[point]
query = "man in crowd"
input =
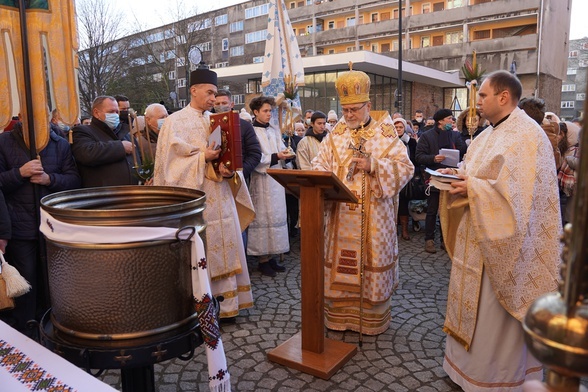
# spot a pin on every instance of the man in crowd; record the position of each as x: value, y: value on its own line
x: 307, y: 115
x: 418, y: 122
x: 185, y: 159
x: 380, y: 171
x: 428, y: 154
x: 103, y: 150
x: 123, y: 108
x: 155, y: 115
x: 53, y: 171
x: 502, y: 228
x: 249, y: 144
x: 308, y: 147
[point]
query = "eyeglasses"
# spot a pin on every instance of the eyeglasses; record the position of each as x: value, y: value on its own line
x: 353, y: 110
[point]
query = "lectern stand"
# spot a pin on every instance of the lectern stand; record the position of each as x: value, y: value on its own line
x: 309, y: 351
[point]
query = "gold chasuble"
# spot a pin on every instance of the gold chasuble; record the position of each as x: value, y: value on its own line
x: 391, y: 169
x: 508, y: 227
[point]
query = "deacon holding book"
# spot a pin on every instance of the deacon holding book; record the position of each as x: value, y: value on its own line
x: 184, y: 158
x: 361, y: 250
x: 502, y: 228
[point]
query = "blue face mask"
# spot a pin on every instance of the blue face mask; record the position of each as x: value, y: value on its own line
x: 112, y: 120
x: 160, y: 123
x: 448, y: 127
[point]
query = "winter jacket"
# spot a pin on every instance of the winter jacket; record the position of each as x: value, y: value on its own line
x: 428, y: 147
x: 19, y: 193
x: 101, y: 156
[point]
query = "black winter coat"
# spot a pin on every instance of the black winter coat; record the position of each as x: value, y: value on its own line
x: 428, y: 147
x: 101, y: 156
x: 251, y: 148
x: 57, y: 162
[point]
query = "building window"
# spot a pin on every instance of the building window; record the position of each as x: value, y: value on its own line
x: 426, y: 8
x: 292, y: 5
x: 236, y: 26
x: 181, y: 82
x: 350, y: 49
x: 350, y: 22
x: 225, y: 44
x: 585, y: 46
x: 221, y: 65
x: 375, y: 48
x: 583, y: 63
x: 237, y: 51
x: 455, y: 3
x: 254, y: 12
x: 567, y: 104
x: 171, y: 75
x: 438, y: 6
x: 437, y: 40
x: 384, y: 48
x: 568, y: 87
x: 573, y: 53
x: 374, y: 17
x: 395, y: 45
x: 180, y: 62
x: 580, y: 97
x: 258, y: 59
x: 385, y: 16
x: 455, y: 37
x: 256, y: 36
x: 572, y: 71
x: 182, y: 103
x: 396, y: 13
x: 239, y: 99
x: 331, y: 24
x: 331, y: 51
x: 482, y: 34
x: 425, y: 42
x: 205, y: 46
x: 221, y: 20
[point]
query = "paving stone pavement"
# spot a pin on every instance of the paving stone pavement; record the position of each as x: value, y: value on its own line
x: 408, y: 357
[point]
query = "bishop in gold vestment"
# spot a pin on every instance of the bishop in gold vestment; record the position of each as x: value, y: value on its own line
x: 182, y: 159
x: 378, y: 177
x: 501, y: 227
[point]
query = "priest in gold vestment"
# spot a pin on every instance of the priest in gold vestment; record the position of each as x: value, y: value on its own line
x: 501, y: 225
x: 183, y: 159
x: 361, y: 266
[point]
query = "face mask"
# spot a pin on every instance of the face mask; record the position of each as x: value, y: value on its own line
x: 112, y: 120
x: 448, y: 127
x: 419, y: 119
x: 160, y: 123
x: 222, y: 108
x: 63, y: 126
x: 308, y: 121
x: 124, y: 116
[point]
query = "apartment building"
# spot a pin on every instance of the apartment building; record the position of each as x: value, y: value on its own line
x: 573, y: 89
x: 528, y: 37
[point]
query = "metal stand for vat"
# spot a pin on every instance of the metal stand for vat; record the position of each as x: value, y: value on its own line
x: 134, y: 357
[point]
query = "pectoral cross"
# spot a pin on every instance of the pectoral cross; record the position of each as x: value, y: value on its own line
x: 358, y: 151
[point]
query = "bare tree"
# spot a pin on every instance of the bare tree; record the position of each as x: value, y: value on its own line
x: 165, y: 49
x: 102, y: 54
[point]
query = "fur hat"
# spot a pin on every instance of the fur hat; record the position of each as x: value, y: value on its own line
x: 461, y: 119
x: 332, y: 115
x: 441, y: 114
x: 245, y: 115
x: 298, y: 126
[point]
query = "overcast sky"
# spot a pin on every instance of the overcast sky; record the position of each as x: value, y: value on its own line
x: 151, y: 13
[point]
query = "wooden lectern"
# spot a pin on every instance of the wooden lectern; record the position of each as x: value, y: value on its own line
x: 309, y: 351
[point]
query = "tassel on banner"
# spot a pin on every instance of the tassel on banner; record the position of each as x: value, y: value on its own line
x: 16, y: 285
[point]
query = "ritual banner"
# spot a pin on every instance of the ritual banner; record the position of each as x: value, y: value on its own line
x: 283, y: 71
x: 38, y: 65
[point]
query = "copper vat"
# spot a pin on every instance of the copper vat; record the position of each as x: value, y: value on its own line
x: 130, y: 290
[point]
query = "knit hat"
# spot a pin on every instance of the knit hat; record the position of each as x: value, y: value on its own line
x: 245, y: 115
x: 401, y: 120
x: 441, y: 114
x: 332, y: 115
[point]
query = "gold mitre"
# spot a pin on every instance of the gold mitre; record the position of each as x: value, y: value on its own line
x: 353, y: 86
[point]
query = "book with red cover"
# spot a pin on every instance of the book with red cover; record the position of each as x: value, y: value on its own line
x: 231, y: 154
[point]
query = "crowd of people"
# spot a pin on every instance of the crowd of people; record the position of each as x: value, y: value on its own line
x: 515, y: 176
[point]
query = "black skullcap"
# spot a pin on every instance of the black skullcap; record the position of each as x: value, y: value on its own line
x: 203, y: 76
x: 441, y: 114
